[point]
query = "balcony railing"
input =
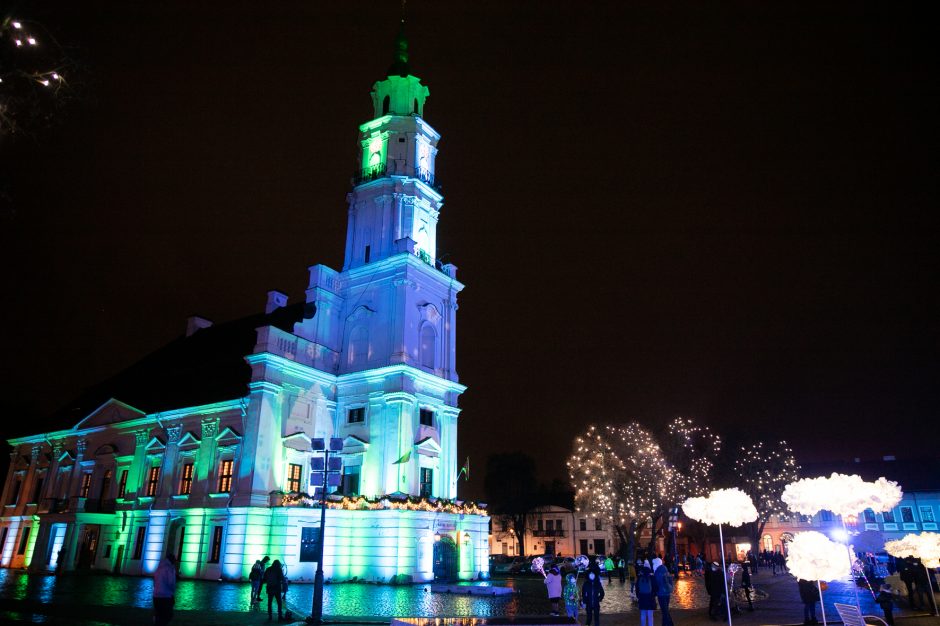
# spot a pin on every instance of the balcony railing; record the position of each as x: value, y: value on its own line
x: 370, y: 173
x: 555, y: 532
x: 100, y: 506
x: 427, y: 177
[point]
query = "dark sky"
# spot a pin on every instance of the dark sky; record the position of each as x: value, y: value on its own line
x: 726, y: 211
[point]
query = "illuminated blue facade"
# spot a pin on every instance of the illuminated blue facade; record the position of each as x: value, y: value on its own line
x: 223, y: 478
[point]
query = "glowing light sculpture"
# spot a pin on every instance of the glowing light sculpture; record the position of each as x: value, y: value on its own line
x: 722, y: 506
x: 926, y: 547
x: 813, y: 556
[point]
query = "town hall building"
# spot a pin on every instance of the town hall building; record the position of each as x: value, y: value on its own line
x: 203, y: 449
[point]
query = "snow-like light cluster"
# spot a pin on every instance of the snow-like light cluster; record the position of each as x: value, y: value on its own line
x: 538, y: 565
x: 722, y: 506
x: 842, y: 494
x: 813, y: 556
x: 925, y: 546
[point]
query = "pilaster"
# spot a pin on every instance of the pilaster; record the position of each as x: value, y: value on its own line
x: 168, y: 470
x: 135, y: 477
x: 261, y: 446
x: 205, y: 460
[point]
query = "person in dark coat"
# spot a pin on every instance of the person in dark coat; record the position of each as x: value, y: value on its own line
x: 592, y: 592
x: 715, y: 586
x: 645, y: 594
x: 906, y: 573
x: 885, y: 600
x: 746, y: 584
x: 274, y: 583
x: 922, y: 586
x: 809, y: 596
x: 662, y: 586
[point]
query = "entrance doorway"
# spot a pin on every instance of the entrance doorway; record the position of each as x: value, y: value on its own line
x: 88, y: 548
x: 445, y: 559
x: 600, y: 548
x: 550, y: 547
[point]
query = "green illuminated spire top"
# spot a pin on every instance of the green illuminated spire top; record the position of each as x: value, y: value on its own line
x: 399, y: 66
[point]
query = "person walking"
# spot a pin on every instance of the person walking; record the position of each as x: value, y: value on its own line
x: 809, y: 596
x: 264, y: 566
x: 553, y: 586
x: 592, y: 592
x: 164, y: 590
x: 572, y: 596
x: 609, y: 566
x: 645, y: 594
x: 698, y: 565
x: 662, y: 585
x: 715, y: 587
x: 622, y: 570
x: 254, y: 577
x: 274, y: 583
x: 746, y: 584
x: 922, y: 586
x: 885, y: 600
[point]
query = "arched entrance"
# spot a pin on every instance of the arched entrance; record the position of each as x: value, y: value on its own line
x: 445, y: 559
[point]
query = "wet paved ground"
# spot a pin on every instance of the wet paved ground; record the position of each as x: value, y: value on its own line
x: 117, y: 601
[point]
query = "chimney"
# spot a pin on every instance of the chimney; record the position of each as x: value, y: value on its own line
x: 194, y: 323
x: 276, y: 300
x: 888, y: 457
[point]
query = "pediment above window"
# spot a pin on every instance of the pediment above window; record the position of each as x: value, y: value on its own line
x: 355, y: 445
x: 188, y: 441
x: 228, y: 437
x: 155, y: 445
x: 428, y: 447
x: 108, y: 448
x: 297, y: 441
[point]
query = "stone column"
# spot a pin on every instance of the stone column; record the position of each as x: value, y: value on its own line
x: 75, y: 482
x: 49, y: 494
x: 205, y: 461
x: 261, y: 468
x: 168, y: 472
x: 135, y: 475
x: 29, y: 481
x: 8, y: 483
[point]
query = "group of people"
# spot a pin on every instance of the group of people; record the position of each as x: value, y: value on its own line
x: 650, y: 582
x: 274, y: 581
x: 272, y: 578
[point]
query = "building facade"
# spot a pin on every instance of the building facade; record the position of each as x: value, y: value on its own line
x: 555, y: 530
x: 203, y: 448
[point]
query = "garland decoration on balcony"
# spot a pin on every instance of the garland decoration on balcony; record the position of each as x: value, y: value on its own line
x: 383, y: 503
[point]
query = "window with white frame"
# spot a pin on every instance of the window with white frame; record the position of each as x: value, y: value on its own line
x: 356, y: 415
x: 926, y: 514
x: 153, y: 480
x: 293, y: 477
x: 226, y: 470
x: 907, y: 514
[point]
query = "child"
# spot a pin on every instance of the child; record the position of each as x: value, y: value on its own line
x: 572, y: 596
x: 885, y: 600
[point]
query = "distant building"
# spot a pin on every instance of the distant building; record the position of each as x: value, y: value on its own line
x: 555, y: 530
x: 203, y: 448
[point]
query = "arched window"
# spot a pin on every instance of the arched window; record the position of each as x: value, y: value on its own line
x: 385, y: 104
x: 358, y: 345
x: 416, y: 106
x: 428, y: 346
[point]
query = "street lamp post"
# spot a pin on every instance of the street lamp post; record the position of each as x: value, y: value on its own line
x: 328, y: 472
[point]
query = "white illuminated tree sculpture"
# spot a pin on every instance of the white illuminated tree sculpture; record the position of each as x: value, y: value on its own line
x: 722, y: 506
x: 813, y: 556
x: 926, y: 547
x: 844, y: 495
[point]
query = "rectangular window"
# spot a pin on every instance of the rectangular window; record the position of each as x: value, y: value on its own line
x: 37, y: 493
x: 86, y: 485
x: 582, y: 524
x: 559, y: 524
x: 870, y: 517
x: 549, y: 524
x: 225, y: 476
x: 351, y: 475
x: 539, y: 524
x: 427, y: 417
x: 926, y: 514
x: 23, y: 540
x: 139, y: 542
x: 825, y: 516
x: 907, y: 515
x: 186, y: 480
x: 367, y: 255
x: 216, y: 549
x: 888, y: 517
x: 153, y: 480
x: 293, y: 477
x: 598, y: 524
x: 309, y: 536
x: 583, y: 544
x: 107, y: 551
x: 122, y: 485
x: 427, y: 478
x: 356, y: 416
x: 15, y: 493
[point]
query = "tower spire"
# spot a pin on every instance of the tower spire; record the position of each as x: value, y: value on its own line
x: 399, y: 66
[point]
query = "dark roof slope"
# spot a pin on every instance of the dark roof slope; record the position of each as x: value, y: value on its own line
x: 208, y: 366
x: 911, y: 474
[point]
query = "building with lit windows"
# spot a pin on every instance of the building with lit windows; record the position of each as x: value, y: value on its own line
x: 555, y: 530
x: 203, y: 448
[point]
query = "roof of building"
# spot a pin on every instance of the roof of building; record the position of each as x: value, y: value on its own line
x: 205, y: 367
x: 911, y: 474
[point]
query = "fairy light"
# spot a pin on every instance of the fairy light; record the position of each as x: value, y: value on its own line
x: 362, y: 503
x: 763, y: 471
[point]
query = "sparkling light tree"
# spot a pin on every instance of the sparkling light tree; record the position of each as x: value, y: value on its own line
x: 763, y: 471
x: 32, y: 76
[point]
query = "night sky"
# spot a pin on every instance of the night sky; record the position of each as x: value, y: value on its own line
x: 721, y: 210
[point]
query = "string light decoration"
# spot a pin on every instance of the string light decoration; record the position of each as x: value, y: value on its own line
x: 32, y: 75
x: 384, y: 503
x: 763, y: 471
x: 691, y: 451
